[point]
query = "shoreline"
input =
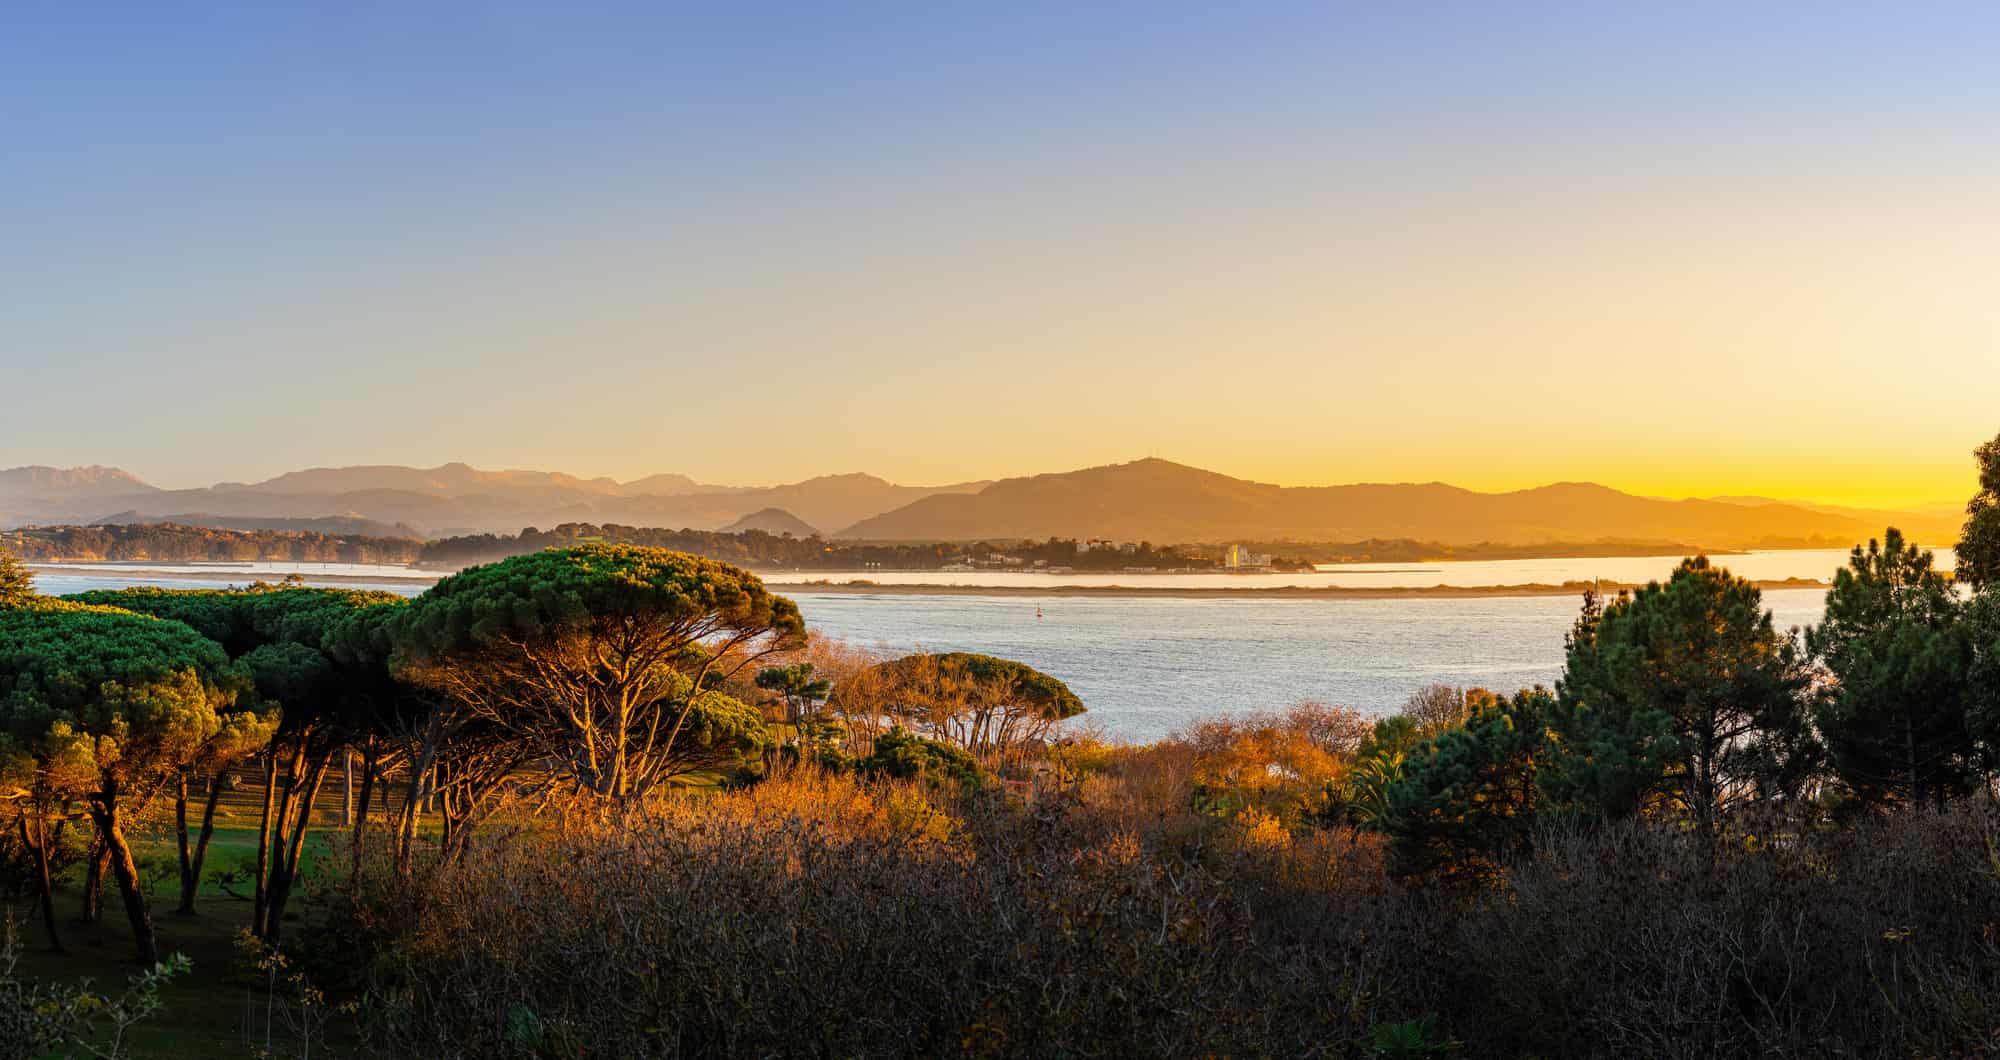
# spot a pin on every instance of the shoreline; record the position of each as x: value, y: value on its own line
x: 125, y: 567
x: 863, y: 588
x: 1330, y: 592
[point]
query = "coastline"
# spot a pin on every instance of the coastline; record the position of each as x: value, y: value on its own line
x: 131, y: 567
x: 1439, y: 592
x: 417, y: 578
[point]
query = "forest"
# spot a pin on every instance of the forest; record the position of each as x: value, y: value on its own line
x: 616, y: 799
x: 179, y: 543
x: 759, y: 549
x: 756, y: 549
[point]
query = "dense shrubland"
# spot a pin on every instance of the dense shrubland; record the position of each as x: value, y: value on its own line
x: 821, y: 913
x: 614, y: 801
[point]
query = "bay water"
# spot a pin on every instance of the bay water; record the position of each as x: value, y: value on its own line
x: 1147, y: 665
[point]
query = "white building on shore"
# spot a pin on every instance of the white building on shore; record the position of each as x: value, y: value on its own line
x: 1236, y: 557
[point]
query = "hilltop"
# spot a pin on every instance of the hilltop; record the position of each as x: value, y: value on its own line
x: 772, y: 521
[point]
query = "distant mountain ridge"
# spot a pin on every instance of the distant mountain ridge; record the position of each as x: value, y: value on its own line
x: 772, y: 521
x: 38, y: 480
x: 448, y: 499
x: 447, y: 480
x: 1953, y: 513
x: 1154, y: 500
x: 1161, y: 501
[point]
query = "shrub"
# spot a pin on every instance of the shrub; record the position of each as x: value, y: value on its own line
x: 902, y: 754
x: 1879, y: 941
x: 41, y: 1019
x: 846, y: 913
x: 831, y: 915
x: 1273, y: 765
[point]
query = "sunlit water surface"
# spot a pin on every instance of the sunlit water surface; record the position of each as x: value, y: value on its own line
x: 1146, y: 665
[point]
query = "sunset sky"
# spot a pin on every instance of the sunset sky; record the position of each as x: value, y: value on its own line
x: 1717, y: 248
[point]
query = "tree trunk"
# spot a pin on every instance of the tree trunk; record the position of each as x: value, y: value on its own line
x: 1704, y: 810
x: 37, y: 841
x: 126, y: 872
x: 444, y: 805
x: 1910, y: 758
x: 406, y: 823
x: 285, y: 869
x: 181, y: 846
x: 416, y: 795
x: 93, y: 878
x: 264, y: 838
x: 346, y: 786
x: 458, y: 811
x: 287, y: 809
x: 361, y: 813
x: 191, y: 866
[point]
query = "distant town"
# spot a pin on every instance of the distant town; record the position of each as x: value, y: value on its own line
x: 1092, y: 553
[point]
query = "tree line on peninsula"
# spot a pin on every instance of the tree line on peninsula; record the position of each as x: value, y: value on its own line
x: 757, y: 549
x: 182, y: 543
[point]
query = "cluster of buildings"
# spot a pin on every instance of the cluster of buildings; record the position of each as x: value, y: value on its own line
x: 1000, y: 561
x: 1101, y: 555
x: 1236, y: 557
x: 1003, y: 561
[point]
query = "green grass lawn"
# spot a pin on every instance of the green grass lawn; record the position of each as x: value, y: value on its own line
x: 203, y: 1016
x: 205, y: 1009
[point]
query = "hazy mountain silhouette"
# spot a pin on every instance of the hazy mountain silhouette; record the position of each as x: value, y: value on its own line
x: 1952, y: 513
x: 449, y: 499
x: 1162, y: 501
x: 772, y: 521
x: 671, y: 485
x: 446, y: 480
x: 32, y: 494
x: 1144, y: 500
x: 37, y: 481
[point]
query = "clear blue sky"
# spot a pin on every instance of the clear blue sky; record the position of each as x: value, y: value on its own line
x: 1681, y: 248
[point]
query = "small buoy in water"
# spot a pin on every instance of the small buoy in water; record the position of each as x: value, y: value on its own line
x: 1038, y: 612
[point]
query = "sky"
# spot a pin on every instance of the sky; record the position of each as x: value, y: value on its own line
x: 1681, y: 249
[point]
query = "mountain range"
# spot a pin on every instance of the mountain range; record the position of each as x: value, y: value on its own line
x: 1162, y: 501
x: 1150, y: 499
x: 440, y: 501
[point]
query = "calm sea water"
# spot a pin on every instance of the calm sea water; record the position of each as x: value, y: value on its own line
x: 65, y: 583
x: 1145, y: 666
